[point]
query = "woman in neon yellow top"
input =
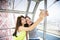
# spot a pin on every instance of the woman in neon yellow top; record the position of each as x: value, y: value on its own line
x: 20, y: 30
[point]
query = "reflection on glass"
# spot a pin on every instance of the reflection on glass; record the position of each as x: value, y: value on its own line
x: 5, y: 4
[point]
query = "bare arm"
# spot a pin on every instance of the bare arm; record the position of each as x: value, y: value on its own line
x: 42, y: 15
x: 33, y: 26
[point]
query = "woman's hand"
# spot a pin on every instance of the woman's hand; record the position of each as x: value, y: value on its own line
x: 43, y: 13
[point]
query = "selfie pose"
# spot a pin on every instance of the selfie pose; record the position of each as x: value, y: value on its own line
x: 20, y: 30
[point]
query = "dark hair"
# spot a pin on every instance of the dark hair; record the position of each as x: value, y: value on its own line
x: 26, y: 25
x: 27, y: 17
x: 18, y: 24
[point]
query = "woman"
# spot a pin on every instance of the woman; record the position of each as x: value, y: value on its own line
x: 18, y: 34
x: 20, y: 31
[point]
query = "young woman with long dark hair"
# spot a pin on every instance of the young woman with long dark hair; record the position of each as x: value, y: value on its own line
x: 20, y: 30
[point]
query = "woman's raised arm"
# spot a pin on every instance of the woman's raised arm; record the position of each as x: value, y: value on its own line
x: 41, y: 17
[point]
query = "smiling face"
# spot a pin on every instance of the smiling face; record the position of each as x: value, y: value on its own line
x: 23, y: 21
x: 28, y: 21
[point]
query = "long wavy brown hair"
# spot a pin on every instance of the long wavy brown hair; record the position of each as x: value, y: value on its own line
x: 18, y: 24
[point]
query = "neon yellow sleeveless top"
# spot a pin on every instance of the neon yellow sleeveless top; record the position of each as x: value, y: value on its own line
x: 21, y: 36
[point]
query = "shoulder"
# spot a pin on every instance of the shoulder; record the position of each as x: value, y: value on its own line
x: 20, y: 28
